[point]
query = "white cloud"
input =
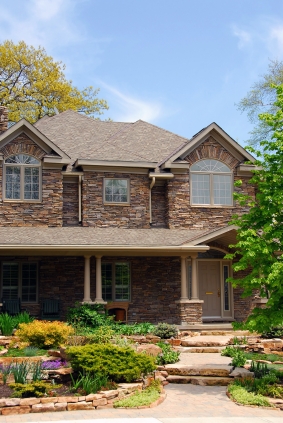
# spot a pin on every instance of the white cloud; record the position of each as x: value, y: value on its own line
x: 244, y: 37
x: 276, y: 39
x: 129, y: 108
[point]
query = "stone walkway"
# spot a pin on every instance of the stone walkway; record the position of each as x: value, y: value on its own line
x: 184, y: 404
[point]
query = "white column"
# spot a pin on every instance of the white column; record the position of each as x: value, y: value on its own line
x: 87, y: 298
x: 98, y: 298
x: 184, y: 288
x: 194, y: 276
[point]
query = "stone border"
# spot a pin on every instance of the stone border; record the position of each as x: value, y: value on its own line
x: 99, y: 401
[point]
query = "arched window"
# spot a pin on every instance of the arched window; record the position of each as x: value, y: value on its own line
x: 22, y: 178
x: 211, y: 183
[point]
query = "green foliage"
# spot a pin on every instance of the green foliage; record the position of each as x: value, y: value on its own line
x: 17, y: 352
x: 32, y: 389
x: 229, y: 351
x: 89, y: 316
x: 101, y: 335
x: 259, y: 369
x: 165, y: 331
x: 87, y: 384
x: 168, y: 355
x: 5, y: 370
x: 20, y: 371
x: 141, y: 398
x: 120, y: 364
x: 43, y: 334
x: 268, y: 357
x: 31, y: 351
x: 33, y: 85
x: 273, y: 332
x: 242, y: 396
x: 135, y: 329
x: 238, y: 359
x: 239, y: 341
x: 260, y: 233
x: 7, y: 324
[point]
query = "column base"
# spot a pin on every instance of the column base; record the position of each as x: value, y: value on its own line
x: 190, y: 311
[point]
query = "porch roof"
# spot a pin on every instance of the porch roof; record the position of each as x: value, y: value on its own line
x: 89, y: 240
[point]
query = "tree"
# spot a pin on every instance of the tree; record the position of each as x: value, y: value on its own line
x: 32, y: 85
x: 260, y: 235
x: 260, y: 99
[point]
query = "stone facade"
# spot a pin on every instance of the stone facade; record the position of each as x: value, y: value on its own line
x: 181, y: 214
x: 190, y: 312
x: 96, y: 213
x: 49, y: 211
x: 159, y: 205
x: 70, y: 203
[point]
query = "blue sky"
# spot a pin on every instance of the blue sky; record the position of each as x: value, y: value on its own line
x: 179, y: 64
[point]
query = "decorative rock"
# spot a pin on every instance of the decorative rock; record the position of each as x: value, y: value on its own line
x: 63, y: 354
x: 83, y: 405
x: 60, y: 406
x: 277, y: 362
x: 48, y: 399
x: 93, y: 397
x: 150, y: 349
x: 67, y: 399
x: 42, y: 408
x: 131, y: 387
x: 54, y: 353
x: 164, y: 373
x: 263, y: 361
x: 110, y: 394
x: 23, y: 409
x: 240, y: 372
x: 10, y: 402
x: 98, y: 402
x: 101, y: 407
x: 3, y: 352
x: 29, y: 401
x: 153, y: 338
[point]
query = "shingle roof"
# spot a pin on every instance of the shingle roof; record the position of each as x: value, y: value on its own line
x: 89, y: 236
x: 82, y: 137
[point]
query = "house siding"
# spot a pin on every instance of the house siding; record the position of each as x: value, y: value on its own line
x: 96, y: 213
x: 48, y: 212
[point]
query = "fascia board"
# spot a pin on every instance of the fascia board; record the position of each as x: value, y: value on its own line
x: 105, y: 163
x: 56, y: 159
x: 169, y: 165
x: 200, y: 138
x: 214, y: 235
x: 246, y: 169
x: 40, y: 139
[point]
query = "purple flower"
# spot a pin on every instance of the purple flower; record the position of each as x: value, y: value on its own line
x: 53, y: 365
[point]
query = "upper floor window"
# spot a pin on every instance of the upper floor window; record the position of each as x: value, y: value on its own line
x: 211, y: 183
x: 22, y: 178
x: 116, y: 190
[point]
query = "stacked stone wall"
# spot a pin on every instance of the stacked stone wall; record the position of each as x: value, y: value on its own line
x: 70, y: 204
x: 132, y: 215
x: 181, y: 214
x: 159, y: 205
x: 48, y: 212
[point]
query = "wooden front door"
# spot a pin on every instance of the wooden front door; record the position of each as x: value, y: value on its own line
x: 209, y: 287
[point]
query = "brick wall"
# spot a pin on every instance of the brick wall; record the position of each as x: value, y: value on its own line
x: 181, y: 215
x: 95, y: 213
x: 70, y: 204
x: 45, y: 213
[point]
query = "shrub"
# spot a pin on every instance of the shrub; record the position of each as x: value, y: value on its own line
x: 275, y: 332
x: 88, y: 315
x: 120, y: 364
x: 239, y: 359
x: 141, y: 398
x: 32, y: 389
x: 168, y: 355
x: 87, y: 384
x: 229, y: 351
x: 135, y: 329
x: 43, y: 334
x: 101, y: 335
x: 165, y: 331
x: 242, y: 396
x: 7, y: 324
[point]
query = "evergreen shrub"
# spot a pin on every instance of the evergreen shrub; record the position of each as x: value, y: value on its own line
x: 119, y: 364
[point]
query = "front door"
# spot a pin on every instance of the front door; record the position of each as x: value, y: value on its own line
x: 209, y: 288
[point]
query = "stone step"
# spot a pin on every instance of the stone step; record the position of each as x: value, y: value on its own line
x: 205, y: 341
x: 200, y: 380
x: 215, y: 370
x: 202, y: 350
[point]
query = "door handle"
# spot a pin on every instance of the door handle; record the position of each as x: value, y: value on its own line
x: 218, y: 293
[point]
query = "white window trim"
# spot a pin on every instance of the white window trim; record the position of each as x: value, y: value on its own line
x: 211, y: 186
x: 20, y: 264
x: 110, y: 203
x: 22, y: 167
x: 113, y: 265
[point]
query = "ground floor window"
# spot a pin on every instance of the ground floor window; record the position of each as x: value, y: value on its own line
x: 19, y: 280
x: 116, y: 281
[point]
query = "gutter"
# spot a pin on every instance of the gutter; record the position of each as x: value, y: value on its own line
x: 80, y: 198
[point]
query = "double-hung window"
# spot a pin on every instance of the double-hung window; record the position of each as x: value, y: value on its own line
x: 19, y: 280
x: 116, y: 191
x: 22, y: 178
x: 116, y: 281
x: 211, y: 183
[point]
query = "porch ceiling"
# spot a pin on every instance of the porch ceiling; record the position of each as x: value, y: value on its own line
x: 99, y: 241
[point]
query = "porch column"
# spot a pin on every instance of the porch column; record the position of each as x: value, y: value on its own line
x: 98, y: 298
x: 87, y: 298
x: 184, y: 288
x: 194, y: 276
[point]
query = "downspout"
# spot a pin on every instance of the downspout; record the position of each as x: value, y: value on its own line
x: 150, y: 188
x: 80, y: 198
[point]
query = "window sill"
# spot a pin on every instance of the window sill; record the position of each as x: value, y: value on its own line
x: 206, y: 206
x: 22, y: 201
x: 117, y: 204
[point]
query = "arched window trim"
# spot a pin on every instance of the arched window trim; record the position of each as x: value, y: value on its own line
x: 22, y: 181
x: 211, y: 187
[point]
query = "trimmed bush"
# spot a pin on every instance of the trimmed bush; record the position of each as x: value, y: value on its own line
x: 88, y: 315
x: 165, y: 331
x: 119, y: 364
x: 43, y: 334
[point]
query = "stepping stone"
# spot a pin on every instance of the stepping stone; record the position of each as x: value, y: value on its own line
x: 200, y: 380
x: 201, y: 350
x: 220, y: 370
x: 206, y: 341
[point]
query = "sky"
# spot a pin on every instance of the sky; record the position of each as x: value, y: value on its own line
x: 178, y: 64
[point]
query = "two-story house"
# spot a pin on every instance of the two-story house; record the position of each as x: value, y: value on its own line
x: 120, y: 214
